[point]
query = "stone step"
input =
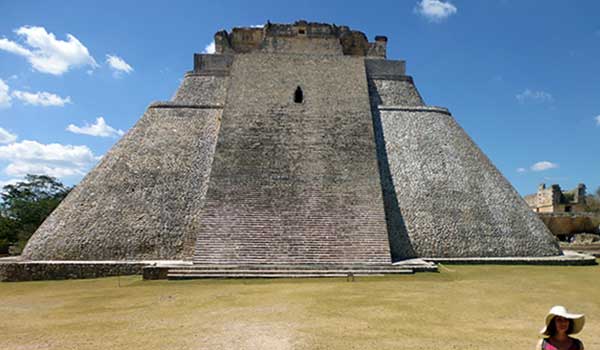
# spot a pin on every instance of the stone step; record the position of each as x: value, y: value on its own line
x: 345, y: 272
x: 232, y: 270
x: 256, y: 275
x: 198, y: 272
x: 353, y: 268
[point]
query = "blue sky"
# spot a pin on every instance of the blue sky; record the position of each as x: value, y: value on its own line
x: 521, y: 77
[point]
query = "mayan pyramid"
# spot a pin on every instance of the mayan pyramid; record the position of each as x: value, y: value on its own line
x: 293, y: 144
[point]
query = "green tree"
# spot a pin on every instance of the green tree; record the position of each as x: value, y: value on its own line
x: 592, y: 202
x: 25, y: 205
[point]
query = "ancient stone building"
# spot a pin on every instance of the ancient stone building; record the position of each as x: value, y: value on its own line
x: 293, y: 144
x: 563, y: 212
x: 554, y: 200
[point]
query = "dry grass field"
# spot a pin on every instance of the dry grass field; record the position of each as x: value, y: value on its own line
x: 462, y: 307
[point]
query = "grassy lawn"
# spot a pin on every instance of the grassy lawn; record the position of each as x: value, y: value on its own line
x: 463, y: 307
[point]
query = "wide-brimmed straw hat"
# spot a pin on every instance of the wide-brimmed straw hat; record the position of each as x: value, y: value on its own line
x: 578, y: 320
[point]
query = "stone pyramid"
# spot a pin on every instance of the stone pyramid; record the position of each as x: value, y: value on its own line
x: 293, y: 144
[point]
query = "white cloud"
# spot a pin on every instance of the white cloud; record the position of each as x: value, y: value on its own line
x: 31, y: 157
x: 210, y: 48
x: 47, y: 54
x: 543, y: 165
x: 435, y: 10
x: 41, y: 98
x: 23, y: 168
x: 54, y: 152
x: 534, y: 96
x: 521, y: 170
x: 6, y: 136
x: 597, y: 119
x: 15, y: 48
x: 4, y: 95
x: 118, y: 65
x: 100, y: 128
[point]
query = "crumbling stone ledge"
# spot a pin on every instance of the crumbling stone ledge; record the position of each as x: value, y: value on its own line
x: 212, y: 73
x: 377, y: 76
x: 169, y: 104
x: 415, y: 109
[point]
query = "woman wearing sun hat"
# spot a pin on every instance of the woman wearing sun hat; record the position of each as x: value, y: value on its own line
x: 560, y: 324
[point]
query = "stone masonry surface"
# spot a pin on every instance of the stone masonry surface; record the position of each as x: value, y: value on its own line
x: 454, y: 202
x: 202, y: 90
x: 137, y: 203
x: 295, y: 182
x: 16, y: 271
x: 396, y: 92
x: 233, y: 171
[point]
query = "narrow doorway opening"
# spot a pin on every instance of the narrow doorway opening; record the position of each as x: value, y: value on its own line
x: 298, y: 95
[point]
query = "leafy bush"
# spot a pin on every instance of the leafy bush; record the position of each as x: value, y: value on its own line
x: 592, y: 204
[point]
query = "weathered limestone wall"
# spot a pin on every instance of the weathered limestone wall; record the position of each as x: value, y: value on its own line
x: 388, y: 84
x: 203, y: 90
x: 211, y: 64
x: 554, y: 200
x: 549, y: 209
x: 452, y: 200
x: 382, y: 69
x: 136, y: 204
x: 561, y: 208
x: 570, y: 223
x: 294, y: 183
x: 246, y: 39
x: 399, y: 91
x: 18, y: 271
x: 300, y: 37
x: 300, y: 45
